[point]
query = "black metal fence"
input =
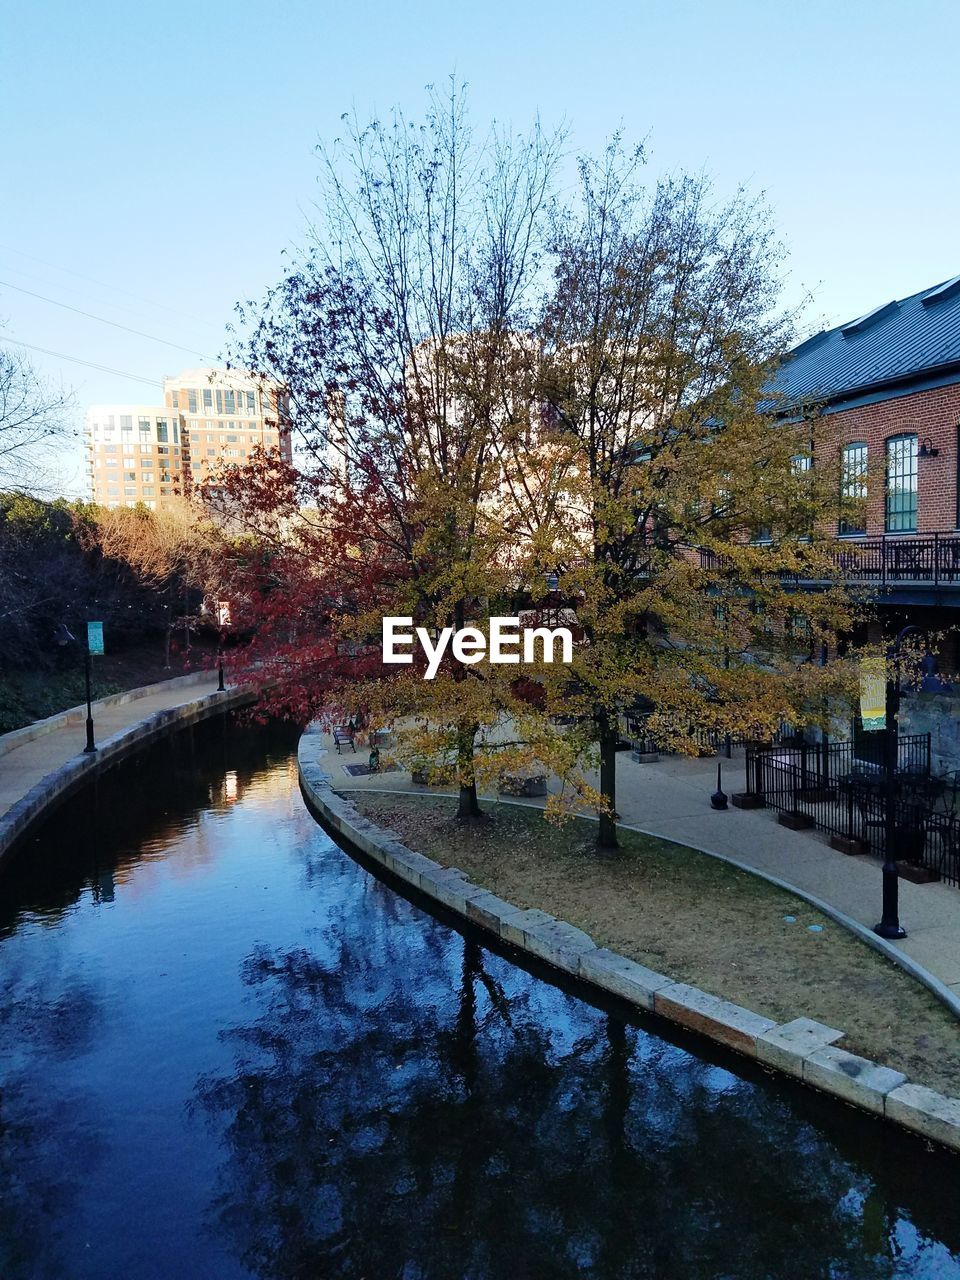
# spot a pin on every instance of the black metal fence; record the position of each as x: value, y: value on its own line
x: 840, y: 788
x: 934, y: 559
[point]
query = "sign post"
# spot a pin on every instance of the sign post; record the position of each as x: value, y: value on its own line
x: 94, y: 646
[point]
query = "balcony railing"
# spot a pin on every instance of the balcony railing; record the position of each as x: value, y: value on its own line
x: 933, y: 559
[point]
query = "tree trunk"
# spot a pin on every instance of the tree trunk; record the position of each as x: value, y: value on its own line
x: 468, y: 807
x: 607, y: 835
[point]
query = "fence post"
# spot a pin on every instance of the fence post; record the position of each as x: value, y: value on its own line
x: 883, y: 559
x: 936, y: 559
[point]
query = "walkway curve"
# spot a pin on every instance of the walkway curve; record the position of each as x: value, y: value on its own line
x: 801, y: 1048
x: 45, y: 763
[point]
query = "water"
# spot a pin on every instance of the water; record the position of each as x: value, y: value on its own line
x: 227, y: 1050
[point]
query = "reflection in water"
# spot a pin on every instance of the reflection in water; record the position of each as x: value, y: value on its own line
x: 229, y: 1051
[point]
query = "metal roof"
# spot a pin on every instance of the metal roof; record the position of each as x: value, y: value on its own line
x: 897, y: 342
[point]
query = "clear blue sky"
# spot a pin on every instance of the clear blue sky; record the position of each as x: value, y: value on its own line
x: 166, y: 151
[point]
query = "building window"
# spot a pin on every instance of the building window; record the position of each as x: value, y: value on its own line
x: 129, y: 475
x: 144, y: 424
x: 901, y: 484
x: 147, y: 492
x: 162, y: 430
x: 207, y: 398
x: 853, y: 488
x: 174, y: 399
x: 126, y: 422
x: 191, y: 401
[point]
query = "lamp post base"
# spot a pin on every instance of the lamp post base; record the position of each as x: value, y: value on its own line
x: 894, y: 931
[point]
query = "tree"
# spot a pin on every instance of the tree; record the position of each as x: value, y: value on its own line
x: 173, y: 553
x: 398, y: 340
x: 34, y: 422
x: 690, y: 510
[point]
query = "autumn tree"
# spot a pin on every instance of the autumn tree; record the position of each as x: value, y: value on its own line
x: 401, y: 338
x: 690, y: 506
x: 175, y: 553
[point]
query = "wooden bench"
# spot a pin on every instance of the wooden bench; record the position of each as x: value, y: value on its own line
x: 342, y: 737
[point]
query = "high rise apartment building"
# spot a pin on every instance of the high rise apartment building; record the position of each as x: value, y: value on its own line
x: 209, y: 418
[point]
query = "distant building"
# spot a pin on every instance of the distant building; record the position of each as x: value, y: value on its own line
x: 134, y: 454
x: 210, y: 418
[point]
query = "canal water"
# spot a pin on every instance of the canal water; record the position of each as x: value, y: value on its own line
x: 227, y: 1050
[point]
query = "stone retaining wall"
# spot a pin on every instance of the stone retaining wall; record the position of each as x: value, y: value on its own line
x: 801, y: 1048
x: 52, y: 789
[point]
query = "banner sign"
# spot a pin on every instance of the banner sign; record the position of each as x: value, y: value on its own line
x: 95, y: 638
x: 873, y: 693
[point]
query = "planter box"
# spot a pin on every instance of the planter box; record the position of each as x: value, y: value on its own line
x: 850, y: 846
x: 748, y: 800
x: 795, y: 821
x: 645, y: 757
x: 916, y: 874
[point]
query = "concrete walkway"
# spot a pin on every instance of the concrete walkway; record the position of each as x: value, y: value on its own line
x: 671, y: 799
x: 29, y: 762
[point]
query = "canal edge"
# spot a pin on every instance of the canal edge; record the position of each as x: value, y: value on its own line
x: 801, y: 1048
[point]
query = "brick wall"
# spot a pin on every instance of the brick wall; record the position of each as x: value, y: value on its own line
x: 934, y: 414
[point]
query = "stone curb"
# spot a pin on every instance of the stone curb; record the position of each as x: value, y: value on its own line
x: 77, y: 715
x: 63, y: 781
x: 801, y: 1048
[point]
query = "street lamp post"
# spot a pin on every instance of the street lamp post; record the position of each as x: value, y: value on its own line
x: 221, y: 688
x: 889, y: 926
x: 223, y: 621
x: 64, y: 637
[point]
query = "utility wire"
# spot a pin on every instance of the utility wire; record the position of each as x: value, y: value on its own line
x: 103, y: 368
x: 115, y: 324
x: 114, y: 288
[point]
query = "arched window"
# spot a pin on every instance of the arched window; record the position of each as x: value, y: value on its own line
x: 853, y: 488
x: 901, y: 484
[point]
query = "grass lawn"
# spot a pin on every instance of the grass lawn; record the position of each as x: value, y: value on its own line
x: 695, y: 919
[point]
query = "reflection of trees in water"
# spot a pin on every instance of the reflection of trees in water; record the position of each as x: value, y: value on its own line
x: 380, y: 1129
x: 46, y: 1143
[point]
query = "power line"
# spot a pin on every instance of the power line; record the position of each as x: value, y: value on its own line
x: 102, y: 320
x: 114, y: 288
x: 102, y: 368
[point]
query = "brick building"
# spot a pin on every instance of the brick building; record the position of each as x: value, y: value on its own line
x: 886, y: 389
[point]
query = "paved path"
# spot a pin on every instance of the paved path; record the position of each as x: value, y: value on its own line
x: 671, y: 798
x: 30, y: 762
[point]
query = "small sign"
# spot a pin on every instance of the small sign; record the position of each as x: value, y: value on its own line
x: 95, y: 638
x: 223, y: 613
x: 873, y: 693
